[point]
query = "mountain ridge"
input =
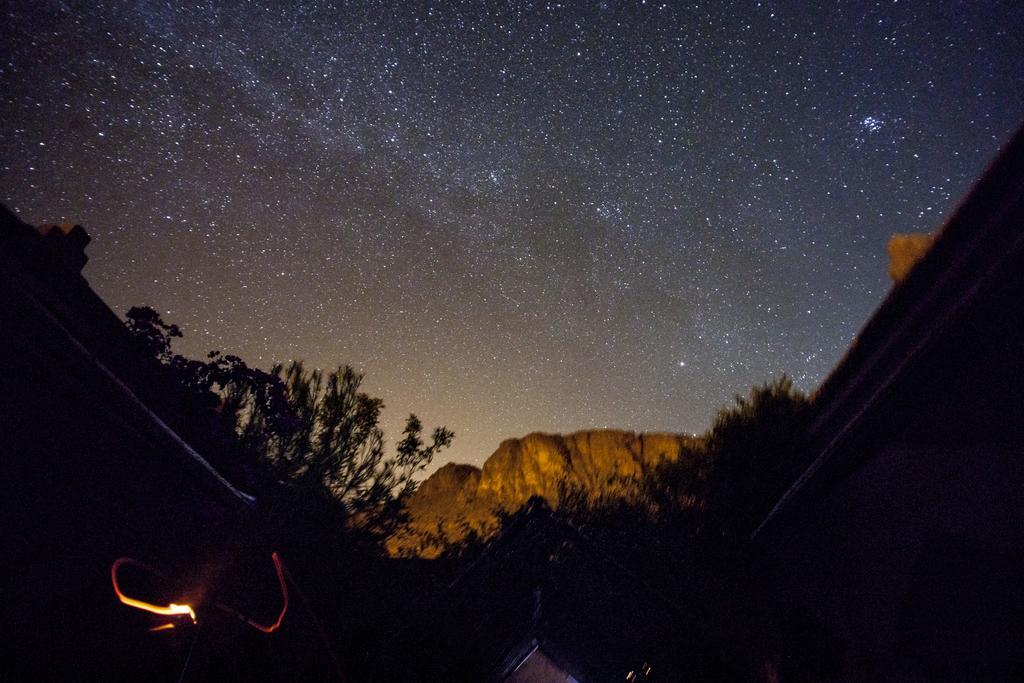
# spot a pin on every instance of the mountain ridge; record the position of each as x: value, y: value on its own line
x: 458, y: 500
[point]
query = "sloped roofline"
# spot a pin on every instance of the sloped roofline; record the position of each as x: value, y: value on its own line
x: 107, y: 380
x: 976, y: 244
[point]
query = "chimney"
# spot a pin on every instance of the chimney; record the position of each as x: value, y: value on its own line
x: 905, y: 250
x: 67, y: 243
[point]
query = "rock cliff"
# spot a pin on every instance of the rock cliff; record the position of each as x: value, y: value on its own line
x: 459, y: 499
x: 905, y: 250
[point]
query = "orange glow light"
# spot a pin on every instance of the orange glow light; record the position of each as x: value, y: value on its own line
x: 284, y: 597
x: 166, y: 610
x: 174, y: 609
x: 284, y: 601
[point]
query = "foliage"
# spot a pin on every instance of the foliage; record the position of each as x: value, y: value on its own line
x: 206, y: 382
x: 711, y: 497
x: 314, y: 431
x: 334, y: 444
x: 151, y: 333
x: 725, y: 483
x: 755, y: 449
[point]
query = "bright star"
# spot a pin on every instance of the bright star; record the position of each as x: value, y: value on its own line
x: 871, y: 124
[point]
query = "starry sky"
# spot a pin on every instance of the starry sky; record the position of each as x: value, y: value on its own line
x: 511, y: 216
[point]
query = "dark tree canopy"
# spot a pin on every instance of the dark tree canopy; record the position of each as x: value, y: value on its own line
x: 314, y: 431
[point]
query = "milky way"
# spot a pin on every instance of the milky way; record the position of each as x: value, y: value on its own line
x: 512, y: 217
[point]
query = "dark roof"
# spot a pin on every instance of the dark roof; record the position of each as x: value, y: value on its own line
x: 980, y: 245
x: 51, y: 306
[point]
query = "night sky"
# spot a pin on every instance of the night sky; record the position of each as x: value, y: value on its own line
x: 513, y: 217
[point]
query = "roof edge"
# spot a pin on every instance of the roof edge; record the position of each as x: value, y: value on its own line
x: 973, y: 245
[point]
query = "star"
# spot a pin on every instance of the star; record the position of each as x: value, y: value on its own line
x: 506, y: 236
x: 872, y: 124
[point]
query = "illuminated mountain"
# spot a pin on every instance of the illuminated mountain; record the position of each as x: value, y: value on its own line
x: 459, y: 499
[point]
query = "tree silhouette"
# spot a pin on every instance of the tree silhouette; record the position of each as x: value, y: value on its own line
x: 315, y: 431
x: 333, y: 443
x: 755, y: 449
